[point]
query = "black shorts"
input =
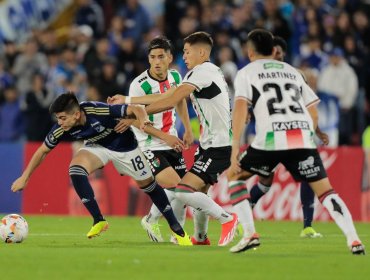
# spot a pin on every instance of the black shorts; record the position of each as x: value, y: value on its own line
x: 160, y: 160
x: 303, y: 164
x: 210, y: 163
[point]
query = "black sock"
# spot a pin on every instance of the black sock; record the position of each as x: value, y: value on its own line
x: 307, y: 199
x: 160, y: 199
x: 256, y: 193
x: 85, y: 192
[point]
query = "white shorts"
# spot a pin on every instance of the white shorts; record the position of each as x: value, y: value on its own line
x: 133, y: 163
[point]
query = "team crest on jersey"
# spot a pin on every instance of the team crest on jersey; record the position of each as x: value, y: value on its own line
x: 156, y: 162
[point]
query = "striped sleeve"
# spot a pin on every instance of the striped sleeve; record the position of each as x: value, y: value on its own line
x: 54, y: 136
x: 103, y: 109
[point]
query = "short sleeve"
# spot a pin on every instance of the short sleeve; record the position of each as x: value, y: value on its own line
x: 54, y: 136
x: 198, y: 78
x: 242, y: 87
x: 135, y: 89
x: 103, y: 109
x: 309, y: 96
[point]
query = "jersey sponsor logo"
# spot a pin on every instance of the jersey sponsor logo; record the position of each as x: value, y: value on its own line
x: 182, y: 160
x: 203, y: 166
x: 180, y: 167
x: 97, y: 126
x: 261, y: 170
x: 270, y: 65
x: 307, y: 167
x: 283, y: 126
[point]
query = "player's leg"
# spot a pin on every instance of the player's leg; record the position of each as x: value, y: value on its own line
x: 201, y: 220
x: 307, y: 200
x: 239, y: 198
x: 86, y: 161
x: 166, y: 178
x: 168, y: 166
x: 205, y: 170
x: 306, y: 165
x: 258, y: 190
x: 339, y: 212
x: 134, y: 164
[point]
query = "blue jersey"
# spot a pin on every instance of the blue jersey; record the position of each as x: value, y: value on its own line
x: 101, y: 119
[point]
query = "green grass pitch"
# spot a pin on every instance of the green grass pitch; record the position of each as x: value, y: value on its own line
x: 57, y: 248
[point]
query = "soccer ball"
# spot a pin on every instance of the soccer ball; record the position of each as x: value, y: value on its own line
x: 13, y: 228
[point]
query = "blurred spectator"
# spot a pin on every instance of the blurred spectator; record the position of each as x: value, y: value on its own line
x: 272, y: 19
x: 10, y: 54
x: 70, y: 75
x: 95, y: 57
x: 345, y: 88
x: 110, y: 82
x: 11, y: 119
x: 6, y: 79
x: 312, y: 55
x: 83, y: 36
x: 137, y: 20
x: 36, y: 110
x: 91, y: 14
x: 227, y: 66
x: 27, y: 63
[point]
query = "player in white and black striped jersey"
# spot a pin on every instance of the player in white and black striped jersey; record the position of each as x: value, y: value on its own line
x: 285, y: 99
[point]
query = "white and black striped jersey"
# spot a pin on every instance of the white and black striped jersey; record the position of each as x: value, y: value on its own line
x: 211, y: 102
x: 279, y: 97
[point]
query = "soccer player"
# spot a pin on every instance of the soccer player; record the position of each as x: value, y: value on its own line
x: 208, y: 91
x: 164, y: 151
x: 307, y: 194
x: 94, y: 122
x: 286, y: 118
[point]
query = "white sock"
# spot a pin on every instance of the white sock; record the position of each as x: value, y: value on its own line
x: 179, y: 209
x: 155, y: 214
x: 241, y: 206
x: 200, y: 225
x: 341, y: 215
x: 204, y: 203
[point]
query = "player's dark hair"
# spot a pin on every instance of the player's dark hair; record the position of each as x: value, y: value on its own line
x: 199, y: 37
x: 262, y: 41
x: 65, y: 102
x: 160, y: 43
x: 279, y: 41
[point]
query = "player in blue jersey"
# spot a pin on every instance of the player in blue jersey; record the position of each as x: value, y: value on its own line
x: 94, y: 122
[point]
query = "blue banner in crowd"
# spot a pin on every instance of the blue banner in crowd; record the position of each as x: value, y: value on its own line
x: 11, y: 164
x: 19, y: 17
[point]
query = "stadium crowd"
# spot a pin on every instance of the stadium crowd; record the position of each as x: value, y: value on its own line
x: 329, y: 40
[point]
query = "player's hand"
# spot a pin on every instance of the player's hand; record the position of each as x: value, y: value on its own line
x: 174, y: 142
x: 323, y: 137
x: 19, y: 184
x: 116, y: 99
x: 123, y: 125
x: 234, y: 167
x: 188, y: 139
x: 142, y: 117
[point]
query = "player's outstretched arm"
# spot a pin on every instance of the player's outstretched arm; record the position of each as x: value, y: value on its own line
x: 20, y: 183
x: 180, y: 93
x: 182, y: 110
x: 240, y: 114
x: 172, y: 141
x: 140, y: 114
x: 144, y: 100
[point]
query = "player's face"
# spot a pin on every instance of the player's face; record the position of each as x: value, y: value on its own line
x: 191, y: 55
x: 159, y: 61
x: 68, y: 120
x: 279, y: 53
